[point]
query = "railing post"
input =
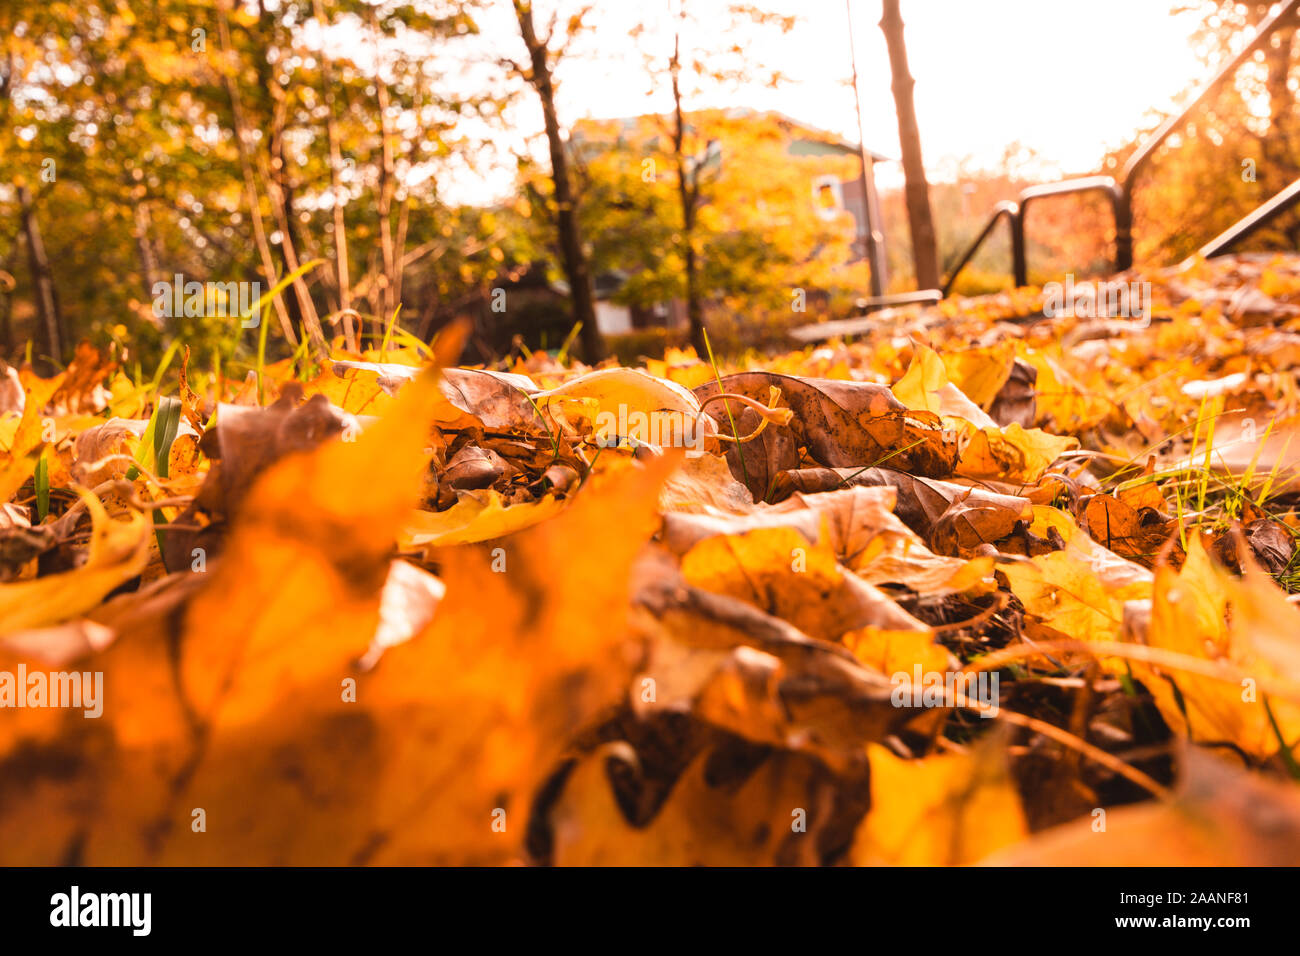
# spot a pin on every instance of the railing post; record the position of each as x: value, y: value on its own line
x: 1019, y: 267
x: 1122, y: 207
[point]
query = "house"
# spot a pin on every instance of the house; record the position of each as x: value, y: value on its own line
x: 832, y: 194
x: 766, y: 167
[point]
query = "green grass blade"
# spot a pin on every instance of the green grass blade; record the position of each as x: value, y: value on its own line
x: 168, y: 423
x: 735, y: 433
x: 42, y: 482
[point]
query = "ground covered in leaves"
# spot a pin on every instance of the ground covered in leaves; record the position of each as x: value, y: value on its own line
x: 972, y: 585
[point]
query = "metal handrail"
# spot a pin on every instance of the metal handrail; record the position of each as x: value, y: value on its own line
x: 1121, y: 193
x: 1247, y: 225
x: 1011, y: 211
x: 871, y: 303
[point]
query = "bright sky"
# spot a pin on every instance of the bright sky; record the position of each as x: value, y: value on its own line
x: 1066, y: 78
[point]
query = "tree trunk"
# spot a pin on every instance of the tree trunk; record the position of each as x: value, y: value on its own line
x: 274, y: 170
x: 925, y: 249
x: 688, y: 192
x: 7, y: 285
x: 572, y: 256
x: 250, y: 182
x: 336, y: 190
x: 387, y: 283
x: 47, y: 306
x: 141, y: 229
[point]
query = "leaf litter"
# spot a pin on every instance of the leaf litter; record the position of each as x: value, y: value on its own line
x: 973, y: 586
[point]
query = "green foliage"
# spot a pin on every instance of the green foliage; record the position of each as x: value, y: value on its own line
x: 123, y: 118
x: 758, y: 239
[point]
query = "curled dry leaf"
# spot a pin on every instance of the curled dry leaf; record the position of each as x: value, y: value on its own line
x: 846, y: 424
x: 781, y: 572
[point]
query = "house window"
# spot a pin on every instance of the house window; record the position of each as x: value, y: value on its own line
x: 828, y: 197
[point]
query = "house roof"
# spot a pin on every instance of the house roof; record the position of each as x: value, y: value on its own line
x: 818, y: 137
x: 816, y: 142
